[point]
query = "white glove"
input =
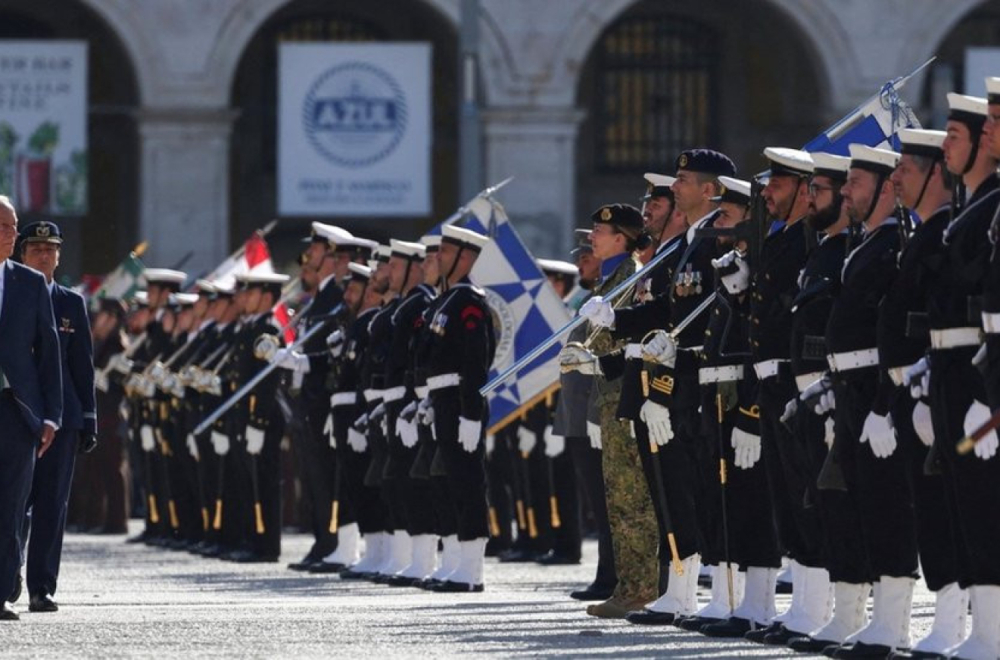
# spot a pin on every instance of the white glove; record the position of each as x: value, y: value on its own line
x: 356, y: 440
x: 977, y: 415
x: 879, y: 432
x: 468, y: 434
x: 828, y: 428
x: 147, y: 437
x: 335, y: 343
x: 425, y: 412
x: 101, y: 381
x: 661, y: 348
x: 554, y: 444
x: 491, y: 443
x: 980, y: 357
x: 918, y: 378
x: 747, y: 448
x: 922, y: 423
x: 328, y: 430
x: 383, y: 419
x: 294, y: 361
x: 578, y: 358
x: 193, y: 447
x: 360, y: 423
x: 657, y: 419
x: 594, y: 433
x: 526, y: 439
x: 791, y: 408
x: 737, y: 281
x: 407, y: 431
x: 599, y: 312
x: 255, y: 440
x: 820, y: 390
x: 220, y: 443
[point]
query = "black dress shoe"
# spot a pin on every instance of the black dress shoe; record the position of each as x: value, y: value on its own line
x: 42, y: 603
x: 732, y: 627
x: 18, y: 587
x: 212, y: 551
x: 782, y: 637
x: 758, y: 635
x: 593, y: 592
x: 7, y: 612
x: 862, y: 650
x: 831, y: 651
x: 402, y: 581
x: 809, y: 644
x: 647, y: 617
x: 551, y: 558
x: 304, y: 564
x: 256, y: 558
x: 449, y: 586
x: 695, y: 623
x: 516, y: 556
x: 427, y: 584
x: 324, y: 567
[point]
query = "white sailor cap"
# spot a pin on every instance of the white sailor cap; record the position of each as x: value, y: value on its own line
x: 789, y: 162
x: 431, y: 242
x: 225, y: 286
x: 262, y: 279
x: 163, y: 276
x: 407, y: 250
x: 204, y: 286
x: 734, y: 191
x: 331, y: 234
x: 558, y: 267
x: 831, y: 166
x: 373, y: 264
x: 970, y: 110
x: 464, y: 237
x: 183, y: 299
x: 141, y: 298
x: 878, y: 161
x: 921, y: 142
x: 359, y: 272
x: 658, y: 185
x: 993, y: 90
x: 382, y: 253
x: 357, y: 245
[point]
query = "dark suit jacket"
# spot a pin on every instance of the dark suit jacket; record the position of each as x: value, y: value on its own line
x: 77, y: 359
x: 29, y: 346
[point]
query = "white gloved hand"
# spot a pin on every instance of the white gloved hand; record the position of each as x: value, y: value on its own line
x: 878, y: 431
x: 661, y: 347
x: 980, y: 357
x: 577, y: 358
x: 791, y: 408
x: 360, y: 423
x: 294, y: 361
x: 425, y: 412
x: 383, y: 419
x: 335, y: 343
x: 526, y: 439
x: 828, y: 428
x: 356, y: 440
x: 594, y: 433
x: 737, y: 281
x: 821, y: 392
x: 407, y: 431
x: 746, y: 448
x: 468, y: 433
x: 977, y: 415
x: 599, y: 312
x: 220, y: 443
x: 328, y: 430
x: 554, y: 444
x: 491, y: 443
x: 255, y: 440
x: 918, y: 377
x: 922, y: 423
x: 147, y: 438
x: 193, y: 447
x: 657, y: 419
x: 101, y: 381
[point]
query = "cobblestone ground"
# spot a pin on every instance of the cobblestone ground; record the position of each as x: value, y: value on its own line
x: 132, y: 601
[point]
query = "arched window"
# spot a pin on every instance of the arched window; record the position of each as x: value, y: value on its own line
x: 654, y: 87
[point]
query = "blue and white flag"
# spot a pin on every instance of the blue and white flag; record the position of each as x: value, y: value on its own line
x: 526, y: 310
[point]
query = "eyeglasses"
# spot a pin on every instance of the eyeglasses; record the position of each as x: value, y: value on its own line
x: 815, y: 189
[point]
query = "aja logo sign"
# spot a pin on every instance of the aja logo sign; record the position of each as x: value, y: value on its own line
x: 355, y: 114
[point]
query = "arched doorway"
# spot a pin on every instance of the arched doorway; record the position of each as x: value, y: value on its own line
x: 253, y: 184
x: 96, y: 241
x: 663, y: 77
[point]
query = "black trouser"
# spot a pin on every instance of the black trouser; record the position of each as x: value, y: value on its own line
x: 466, y: 470
x: 880, y: 485
x: 18, y: 446
x: 318, y: 469
x: 501, y: 499
x: 936, y: 527
x: 567, y: 540
x: 786, y: 464
x: 587, y: 463
x: 267, y: 464
x: 974, y: 483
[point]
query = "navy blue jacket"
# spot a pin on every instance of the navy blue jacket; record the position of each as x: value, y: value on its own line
x: 76, y: 353
x: 29, y: 347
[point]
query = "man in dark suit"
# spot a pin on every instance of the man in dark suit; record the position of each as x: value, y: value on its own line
x: 30, y: 393
x: 45, y: 519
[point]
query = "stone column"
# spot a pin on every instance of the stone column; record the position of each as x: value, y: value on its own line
x: 184, y: 155
x: 537, y: 146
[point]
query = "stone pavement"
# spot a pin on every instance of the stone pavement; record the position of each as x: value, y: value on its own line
x: 127, y: 601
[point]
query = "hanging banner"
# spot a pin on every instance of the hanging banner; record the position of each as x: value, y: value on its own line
x: 354, y: 129
x: 43, y: 126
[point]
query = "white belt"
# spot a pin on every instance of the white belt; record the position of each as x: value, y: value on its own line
x: 767, y: 368
x: 372, y: 395
x: 442, y: 381
x: 726, y: 374
x: 805, y: 380
x: 633, y: 351
x: 394, y: 393
x: 343, y: 399
x: 867, y: 357
x: 896, y: 374
x: 421, y: 391
x: 991, y: 323
x: 955, y: 337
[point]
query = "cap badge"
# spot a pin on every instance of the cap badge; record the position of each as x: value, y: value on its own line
x: 606, y: 214
x: 43, y: 230
x: 682, y: 161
